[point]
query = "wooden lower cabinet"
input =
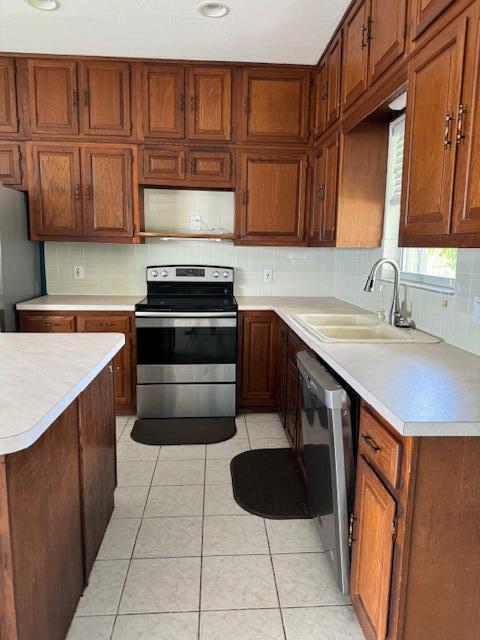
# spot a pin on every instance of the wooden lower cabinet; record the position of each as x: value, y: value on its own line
x: 282, y: 372
x: 56, y: 497
x: 291, y: 422
x: 124, y: 362
x: 257, y: 343
x: 372, y: 551
x: 415, y: 553
x: 97, y: 437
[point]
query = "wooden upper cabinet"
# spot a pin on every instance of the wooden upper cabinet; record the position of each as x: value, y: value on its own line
x: 53, y: 97
x: 271, y: 198
x: 163, y: 101
x: 435, y: 81
x: 372, y: 552
x: 324, y: 198
x: 333, y: 81
x: 55, y: 197
x: 466, y: 202
x: 355, y: 53
x: 105, y: 96
x: 8, y: 97
x: 275, y: 105
x: 162, y: 163
x: 10, y: 164
x: 257, y: 353
x: 210, y: 166
x: 320, y: 98
x: 107, y: 176
x: 424, y: 12
x: 209, y: 109
x: 387, y: 32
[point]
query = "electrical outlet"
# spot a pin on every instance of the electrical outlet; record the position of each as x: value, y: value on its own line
x: 268, y: 276
x: 195, y: 223
x: 78, y: 272
x: 476, y: 309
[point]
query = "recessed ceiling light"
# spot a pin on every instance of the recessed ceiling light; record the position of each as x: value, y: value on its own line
x: 213, y: 9
x: 44, y: 5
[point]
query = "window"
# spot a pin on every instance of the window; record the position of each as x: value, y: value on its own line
x: 434, y: 268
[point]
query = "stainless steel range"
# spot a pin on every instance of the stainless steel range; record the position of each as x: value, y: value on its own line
x: 187, y: 343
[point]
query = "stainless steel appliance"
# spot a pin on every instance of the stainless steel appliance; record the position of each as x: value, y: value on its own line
x: 187, y: 343
x: 19, y: 257
x: 328, y: 455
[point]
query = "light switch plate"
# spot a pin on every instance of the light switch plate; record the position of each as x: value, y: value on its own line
x: 195, y: 223
x: 268, y: 276
x: 476, y: 309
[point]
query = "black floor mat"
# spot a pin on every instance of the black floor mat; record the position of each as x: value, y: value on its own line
x: 267, y: 483
x: 169, y: 431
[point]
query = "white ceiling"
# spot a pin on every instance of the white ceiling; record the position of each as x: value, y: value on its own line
x: 290, y: 31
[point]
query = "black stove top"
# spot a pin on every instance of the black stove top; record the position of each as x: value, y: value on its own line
x: 187, y: 303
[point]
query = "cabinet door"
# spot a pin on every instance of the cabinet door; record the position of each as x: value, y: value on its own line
x: 256, y: 344
x: 108, y: 208
x: 10, y: 167
x: 275, y: 105
x: 387, y: 35
x: 53, y: 96
x: 163, y: 101
x: 209, y: 113
x: 321, y: 98
x: 334, y: 76
x: 54, y: 190
x: 372, y: 552
x: 209, y: 166
x: 163, y: 164
x: 122, y: 362
x: 355, y: 53
x: 8, y: 97
x: 96, y: 432
x: 424, y: 12
x: 434, y: 80
x: 324, y: 201
x: 271, y: 198
x: 105, y: 98
x: 291, y: 423
x: 466, y: 208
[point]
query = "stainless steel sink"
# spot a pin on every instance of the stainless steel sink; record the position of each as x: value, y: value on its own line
x: 359, y: 328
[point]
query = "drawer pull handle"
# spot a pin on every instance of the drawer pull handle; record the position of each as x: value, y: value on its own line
x: 371, y: 443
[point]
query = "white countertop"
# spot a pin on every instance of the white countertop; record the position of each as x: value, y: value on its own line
x: 420, y: 389
x: 41, y: 374
x: 80, y: 303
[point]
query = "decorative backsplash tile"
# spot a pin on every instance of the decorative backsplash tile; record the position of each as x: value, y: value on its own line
x: 117, y: 269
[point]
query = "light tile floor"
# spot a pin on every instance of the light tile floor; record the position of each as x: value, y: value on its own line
x: 182, y: 561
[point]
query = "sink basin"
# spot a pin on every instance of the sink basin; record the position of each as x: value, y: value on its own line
x: 337, y: 319
x: 359, y: 328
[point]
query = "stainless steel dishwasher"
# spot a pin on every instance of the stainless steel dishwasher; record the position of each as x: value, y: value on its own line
x: 328, y: 455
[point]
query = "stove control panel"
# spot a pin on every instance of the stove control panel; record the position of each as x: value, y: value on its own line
x: 189, y: 273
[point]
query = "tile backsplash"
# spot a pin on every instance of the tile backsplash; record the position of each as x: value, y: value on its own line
x: 118, y: 269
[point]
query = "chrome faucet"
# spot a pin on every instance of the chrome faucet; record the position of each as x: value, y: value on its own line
x: 396, y: 318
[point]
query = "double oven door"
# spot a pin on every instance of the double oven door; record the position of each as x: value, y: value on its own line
x: 186, y: 364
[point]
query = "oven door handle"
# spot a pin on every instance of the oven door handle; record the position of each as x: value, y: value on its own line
x: 155, y: 322
x: 193, y: 314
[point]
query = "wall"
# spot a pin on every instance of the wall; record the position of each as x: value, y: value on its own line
x: 117, y: 269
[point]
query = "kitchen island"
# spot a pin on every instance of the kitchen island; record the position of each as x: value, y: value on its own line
x: 57, y: 475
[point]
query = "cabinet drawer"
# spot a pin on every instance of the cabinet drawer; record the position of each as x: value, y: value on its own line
x: 380, y: 447
x: 44, y: 323
x: 110, y: 323
x: 294, y: 345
